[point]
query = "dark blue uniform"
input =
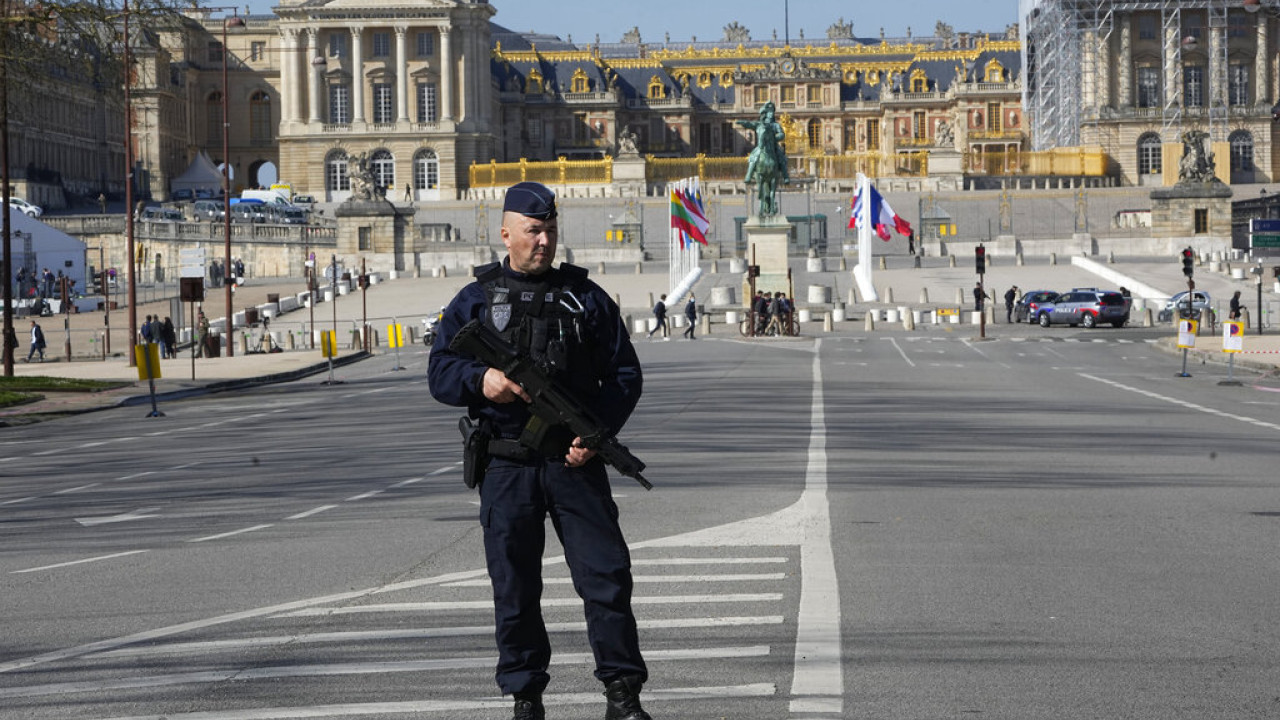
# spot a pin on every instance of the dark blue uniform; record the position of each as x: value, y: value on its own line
x: 572, y: 324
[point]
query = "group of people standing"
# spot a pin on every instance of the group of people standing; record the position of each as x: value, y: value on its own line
x: 43, y: 284
x: 773, y: 313
x: 162, y: 333
x: 218, y: 272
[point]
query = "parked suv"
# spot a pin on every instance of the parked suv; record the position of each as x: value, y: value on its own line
x: 1178, y: 305
x: 1087, y: 307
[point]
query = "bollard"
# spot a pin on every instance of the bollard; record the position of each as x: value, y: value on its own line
x: 444, y: 271
x: 853, y: 296
x: 915, y: 262
x: 1111, y: 257
x: 417, y: 273
x: 844, y: 265
x: 990, y: 310
x: 244, y: 344
x: 870, y: 322
x: 706, y: 324
x: 883, y: 264
x: 827, y: 325
x: 1021, y: 260
x: 617, y: 299
x: 639, y: 268
x: 715, y: 267
x: 960, y: 296
x: 1244, y: 318
x: 888, y: 295
x: 953, y: 260
x: 600, y: 269
x: 1053, y: 258
x: 651, y: 302
x: 909, y: 320
x: 924, y: 296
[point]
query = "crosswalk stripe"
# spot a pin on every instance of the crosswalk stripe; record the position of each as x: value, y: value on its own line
x: 755, y: 690
x: 546, y: 603
x: 242, y: 674
x: 643, y: 579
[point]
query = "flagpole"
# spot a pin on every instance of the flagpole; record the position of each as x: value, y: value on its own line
x: 862, y: 271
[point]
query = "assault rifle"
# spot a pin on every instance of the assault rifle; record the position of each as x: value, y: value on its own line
x: 552, y: 403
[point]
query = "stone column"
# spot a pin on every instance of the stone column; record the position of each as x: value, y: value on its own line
x: 315, y: 73
x: 1171, y: 66
x: 447, y: 70
x: 1218, y: 80
x: 1260, y: 81
x: 357, y: 74
x: 288, y: 83
x: 402, y: 74
x: 1104, y: 72
x: 1126, y: 60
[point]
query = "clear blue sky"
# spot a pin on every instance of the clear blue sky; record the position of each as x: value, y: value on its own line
x: 705, y: 19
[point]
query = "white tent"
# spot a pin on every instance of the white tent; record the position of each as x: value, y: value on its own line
x: 201, y: 175
x: 37, y: 246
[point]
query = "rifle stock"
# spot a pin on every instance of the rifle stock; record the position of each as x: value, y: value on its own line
x: 551, y: 401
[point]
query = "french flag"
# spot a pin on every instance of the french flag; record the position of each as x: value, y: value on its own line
x: 880, y: 214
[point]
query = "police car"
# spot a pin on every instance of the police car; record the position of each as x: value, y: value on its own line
x: 1085, y: 306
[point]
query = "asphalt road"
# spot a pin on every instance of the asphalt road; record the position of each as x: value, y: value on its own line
x: 1046, y: 524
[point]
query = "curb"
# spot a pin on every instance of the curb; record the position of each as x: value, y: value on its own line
x: 240, y: 383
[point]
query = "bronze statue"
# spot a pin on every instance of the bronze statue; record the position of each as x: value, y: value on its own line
x: 768, y: 160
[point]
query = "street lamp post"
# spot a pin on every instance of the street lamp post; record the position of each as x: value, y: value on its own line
x: 234, y: 21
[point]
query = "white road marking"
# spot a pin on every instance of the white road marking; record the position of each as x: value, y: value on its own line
x: 78, y: 562
x: 243, y: 674
x: 711, y: 561
x: 446, y: 606
x: 241, y: 531
x: 974, y: 348
x: 416, y: 707
x: 68, y: 491
x: 444, y: 470
x: 1184, y: 403
x: 20, y: 500
x: 312, y: 511
x: 356, y: 636
x: 139, y: 514
x: 364, y: 496
x: 92, y: 444
x: 900, y: 351
x: 403, y: 483
x: 650, y: 579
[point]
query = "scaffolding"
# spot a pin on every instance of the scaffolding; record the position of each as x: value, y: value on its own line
x: 1067, y: 48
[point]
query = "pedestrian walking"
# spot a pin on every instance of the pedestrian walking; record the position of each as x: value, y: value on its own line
x: 660, y: 314
x: 168, y: 339
x: 690, y: 314
x: 524, y: 300
x: 1010, y: 298
x: 1237, y: 310
x: 37, y: 341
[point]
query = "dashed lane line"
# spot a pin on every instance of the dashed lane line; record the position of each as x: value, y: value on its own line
x: 241, y: 531
x: 312, y: 511
x: 1184, y: 403
x: 78, y: 562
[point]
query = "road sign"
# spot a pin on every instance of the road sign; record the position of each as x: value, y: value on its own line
x: 1232, y: 336
x: 191, y: 263
x: 1264, y: 233
x: 395, y: 335
x: 1187, y: 333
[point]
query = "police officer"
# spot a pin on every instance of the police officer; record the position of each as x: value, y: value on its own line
x: 570, y: 324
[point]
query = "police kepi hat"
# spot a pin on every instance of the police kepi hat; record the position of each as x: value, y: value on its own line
x: 531, y: 199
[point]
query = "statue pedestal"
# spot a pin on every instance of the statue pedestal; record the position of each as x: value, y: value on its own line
x: 628, y: 176
x: 1176, y: 210
x: 375, y: 230
x: 946, y: 167
x: 768, y: 237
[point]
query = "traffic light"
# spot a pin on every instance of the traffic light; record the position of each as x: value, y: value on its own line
x: 980, y: 259
x: 1188, y: 261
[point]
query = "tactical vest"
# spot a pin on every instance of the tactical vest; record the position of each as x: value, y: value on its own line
x: 544, y: 318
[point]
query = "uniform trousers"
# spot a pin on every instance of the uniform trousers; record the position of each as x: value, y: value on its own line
x: 515, y: 500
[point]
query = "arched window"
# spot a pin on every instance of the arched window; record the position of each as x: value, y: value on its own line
x: 580, y: 82
x: 656, y: 89
x: 993, y: 72
x: 260, y: 118
x: 815, y: 134
x: 383, y: 167
x: 336, y: 176
x: 213, y: 118
x: 1150, y: 161
x: 1241, y: 150
x: 533, y: 83
x: 919, y: 81
x: 426, y: 170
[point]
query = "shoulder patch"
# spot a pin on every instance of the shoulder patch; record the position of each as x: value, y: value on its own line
x: 487, y: 272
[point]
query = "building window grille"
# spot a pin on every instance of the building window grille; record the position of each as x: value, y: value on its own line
x: 428, y: 103
x: 383, y: 103
x: 339, y: 104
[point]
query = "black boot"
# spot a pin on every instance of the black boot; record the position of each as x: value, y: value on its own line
x: 623, y: 697
x: 528, y: 707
